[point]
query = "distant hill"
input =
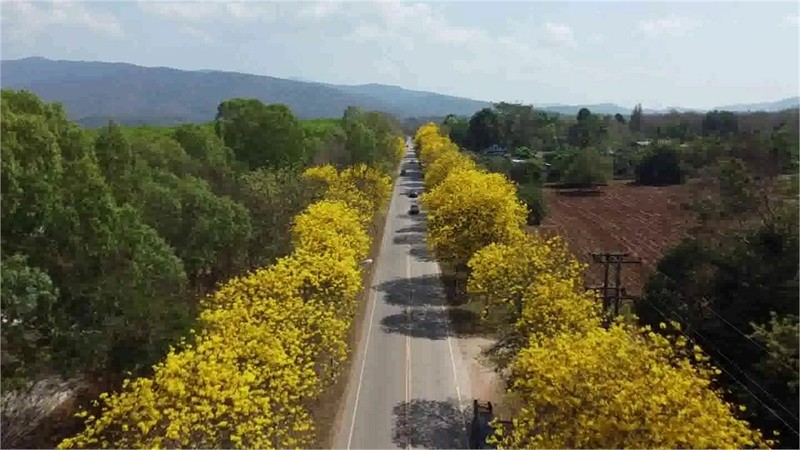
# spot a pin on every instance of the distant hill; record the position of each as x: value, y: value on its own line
x: 611, y: 108
x: 780, y: 105
x: 421, y: 103
x: 598, y: 108
x: 93, y: 92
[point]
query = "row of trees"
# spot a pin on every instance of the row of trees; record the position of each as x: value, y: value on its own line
x: 578, y: 384
x: 269, y: 342
x: 733, y: 285
x: 111, y: 236
x: 514, y: 126
x: 591, y: 149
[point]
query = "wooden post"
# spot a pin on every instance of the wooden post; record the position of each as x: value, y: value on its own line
x: 618, y: 259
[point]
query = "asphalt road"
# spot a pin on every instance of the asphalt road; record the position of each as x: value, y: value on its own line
x: 408, y: 385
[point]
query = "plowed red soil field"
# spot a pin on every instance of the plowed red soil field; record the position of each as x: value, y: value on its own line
x: 641, y: 220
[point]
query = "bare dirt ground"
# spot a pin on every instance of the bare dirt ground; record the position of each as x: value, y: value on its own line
x: 485, y: 382
x: 641, y: 220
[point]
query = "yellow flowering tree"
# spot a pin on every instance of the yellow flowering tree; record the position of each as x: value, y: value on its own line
x: 325, y: 174
x: 361, y: 187
x: 552, y: 305
x: 270, y: 341
x: 399, y: 147
x: 376, y: 185
x: 530, y: 286
x: 470, y: 210
x: 620, y: 388
x: 241, y: 385
x: 501, y: 272
x: 424, y: 133
x: 577, y: 383
x: 447, y: 162
x: 330, y: 226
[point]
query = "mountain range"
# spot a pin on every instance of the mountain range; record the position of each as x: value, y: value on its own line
x: 94, y: 92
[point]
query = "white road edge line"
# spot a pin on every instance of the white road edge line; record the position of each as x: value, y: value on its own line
x: 408, y: 340
x: 369, y: 328
x: 453, y: 361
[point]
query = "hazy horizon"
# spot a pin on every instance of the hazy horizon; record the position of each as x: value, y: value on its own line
x: 691, y: 55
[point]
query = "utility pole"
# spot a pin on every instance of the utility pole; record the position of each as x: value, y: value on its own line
x: 612, y: 295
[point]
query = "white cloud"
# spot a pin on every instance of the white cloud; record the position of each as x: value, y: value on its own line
x: 197, y: 33
x: 596, y: 39
x: 25, y: 20
x: 667, y: 26
x: 210, y: 11
x: 425, y: 28
x: 560, y: 34
x: 182, y: 11
x: 319, y: 10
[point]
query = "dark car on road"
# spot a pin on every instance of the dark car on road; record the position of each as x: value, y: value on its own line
x: 402, y: 171
x: 480, y: 429
x: 414, y: 209
x: 412, y: 194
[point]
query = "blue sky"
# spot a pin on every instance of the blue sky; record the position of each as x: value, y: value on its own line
x: 689, y: 54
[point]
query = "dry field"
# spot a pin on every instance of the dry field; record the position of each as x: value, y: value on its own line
x: 641, y: 220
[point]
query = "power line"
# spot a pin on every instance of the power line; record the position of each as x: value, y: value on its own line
x: 748, y: 337
x: 742, y: 371
x: 753, y: 341
x: 792, y: 429
x: 710, y: 344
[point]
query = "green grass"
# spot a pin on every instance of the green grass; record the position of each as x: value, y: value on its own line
x: 320, y: 127
x: 313, y: 128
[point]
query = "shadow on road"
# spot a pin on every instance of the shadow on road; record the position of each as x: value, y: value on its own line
x: 434, y: 324
x: 429, y: 424
x: 414, y: 292
x: 419, y: 228
x: 414, y: 236
x: 409, y: 239
x: 419, y: 323
x: 420, y: 252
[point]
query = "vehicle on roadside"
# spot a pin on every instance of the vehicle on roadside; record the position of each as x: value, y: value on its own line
x: 484, y: 424
x: 414, y: 210
x: 402, y: 171
x: 480, y: 429
x: 413, y: 194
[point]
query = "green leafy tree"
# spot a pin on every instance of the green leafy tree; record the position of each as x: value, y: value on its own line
x: 731, y: 279
x: 31, y: 170
x: 531, y: 194
x: 209, y: 233
x: 779, y: 336
x: 484, y: 129
x: 107, y: 266
x: 214, y: 161
x: 522, y: 153
x: 518, y: 124
x: 722, y: 123
x: 587, y: 167
x: 635, y: 123
x: 28, y: 298
x: 261, y: 135
x: 458, y: 129
x: 273, y: 198
x: 360, y: 143
x: 525, y: 172
x: 661, y: 166
x: 547, y: 137
x: 589, y: 130
x: 115, y: 158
